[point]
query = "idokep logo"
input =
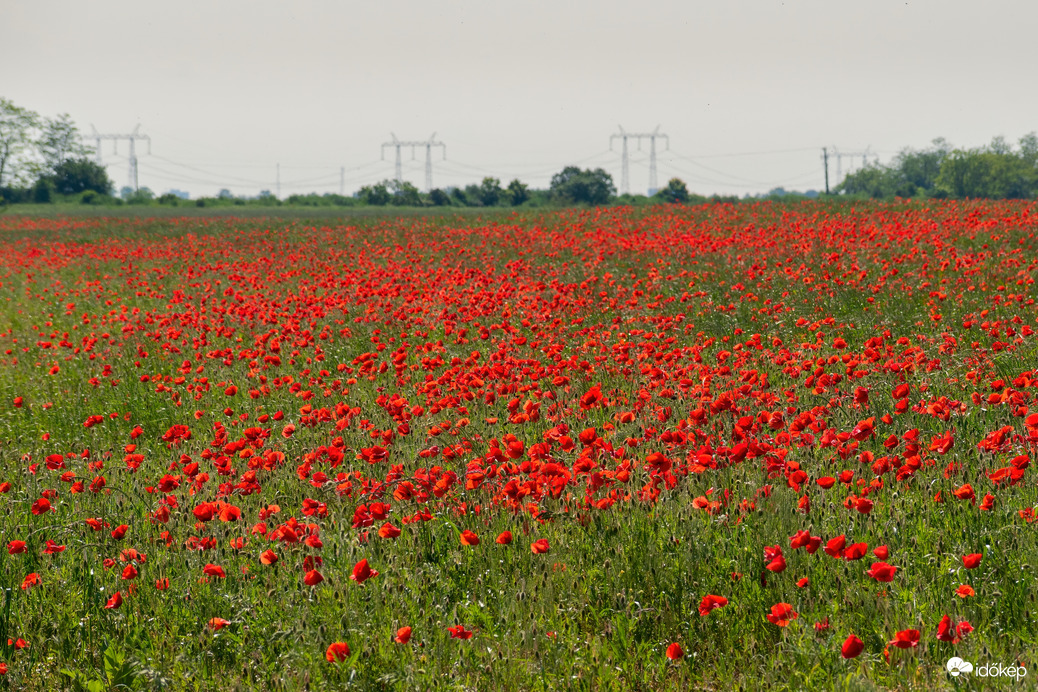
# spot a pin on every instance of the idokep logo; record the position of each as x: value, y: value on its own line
x: 957, y: 666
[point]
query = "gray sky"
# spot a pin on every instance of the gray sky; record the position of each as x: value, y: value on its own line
x: 748, y: 91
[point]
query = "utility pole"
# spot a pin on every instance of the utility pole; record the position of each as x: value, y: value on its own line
x: 623, y: 136
x: 132, y: 137
x: 851, y: 155
x: 825, y: 160
x: 428, y: 144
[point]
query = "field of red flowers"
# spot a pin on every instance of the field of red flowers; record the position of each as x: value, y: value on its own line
x: 756, y: 445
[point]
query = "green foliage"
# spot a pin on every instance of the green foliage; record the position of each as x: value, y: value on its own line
x: 376, y: 195
x: 118, y: 674
x: 674, y: 193
x: 313, y: 200
x: 59, y: 143
x: 73, y: 176
x: 459, y: 197
x: 92, y: 197
x: 517, y: 193
x: 490, y: 192
x: 141, y: 196
x: 978, y: 173
x: 439, y: 198
x: 16, y: 129
x: 994, y: 172
x: 404, y: 194
x: 43, y: 191
x: 577, y: 186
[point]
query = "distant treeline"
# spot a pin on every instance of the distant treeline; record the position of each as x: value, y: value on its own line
x: 997, y: 171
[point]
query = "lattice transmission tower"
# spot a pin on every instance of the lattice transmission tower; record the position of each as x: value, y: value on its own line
x: 428, y: 144
x: 625, y: 174
x: 132, y: 137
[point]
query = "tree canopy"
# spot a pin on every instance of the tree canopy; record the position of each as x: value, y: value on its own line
x: 578, y: 186
x: 996, y: 171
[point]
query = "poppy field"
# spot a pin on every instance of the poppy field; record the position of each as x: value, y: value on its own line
x: 754, y: 445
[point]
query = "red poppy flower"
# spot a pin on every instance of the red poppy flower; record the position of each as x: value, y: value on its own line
x: 826, y: 482
x: 115, y: 601
x: 852, y: 646
x: 972, y: 560
x: 217, y: 624
x: 361, y: 572
x: 41, y: 506
x: 214, y: 571
x: 32, y: 579
x: 129, y: 572
x: 881, y: 551
x: 675, y: 652
x: 946, y: 631
x: 710, y: 602
x: 540, y: 546
x: 778, y: 564
x: 162, y: 584
x: 782, y: 614
x: 881, y: 571
x: 855, y: 551
x: 403, y: 635
x: 338, y: 651
x: 459, y: 632
x: 313, y: 578
x: 803, y: 582
x: 53, y: 548
x: 268, y: 557
x: 965, y: 591
x: 834, y: 547
x: 469, y: 538
x: 388, y: 531
x: 504, y: 538
x: 16, y: 547
x: 906, y: 639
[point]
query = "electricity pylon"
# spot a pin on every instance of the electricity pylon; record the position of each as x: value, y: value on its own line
x: 851, y: 155
x: 132, y: 137
x: 428, y: 144
x: 625, y: 179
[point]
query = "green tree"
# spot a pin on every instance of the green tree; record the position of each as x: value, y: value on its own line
x: 576, y: 186
x: 16, y: 127
x: 490, y: 192
x: 517, y: 192
x: 58, y: 142
x: 675, y: 193
x: 376, y: 195
x: 873, y: 181
x: 459, y: 197
x: 73, y: 176
x: 439, y: 198
x: 404, y: 194
x: 1029, y: 149
x: 43, y: 191
x: 985, y: 173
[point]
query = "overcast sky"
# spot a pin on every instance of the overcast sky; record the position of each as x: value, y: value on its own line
x: 748, y: 91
